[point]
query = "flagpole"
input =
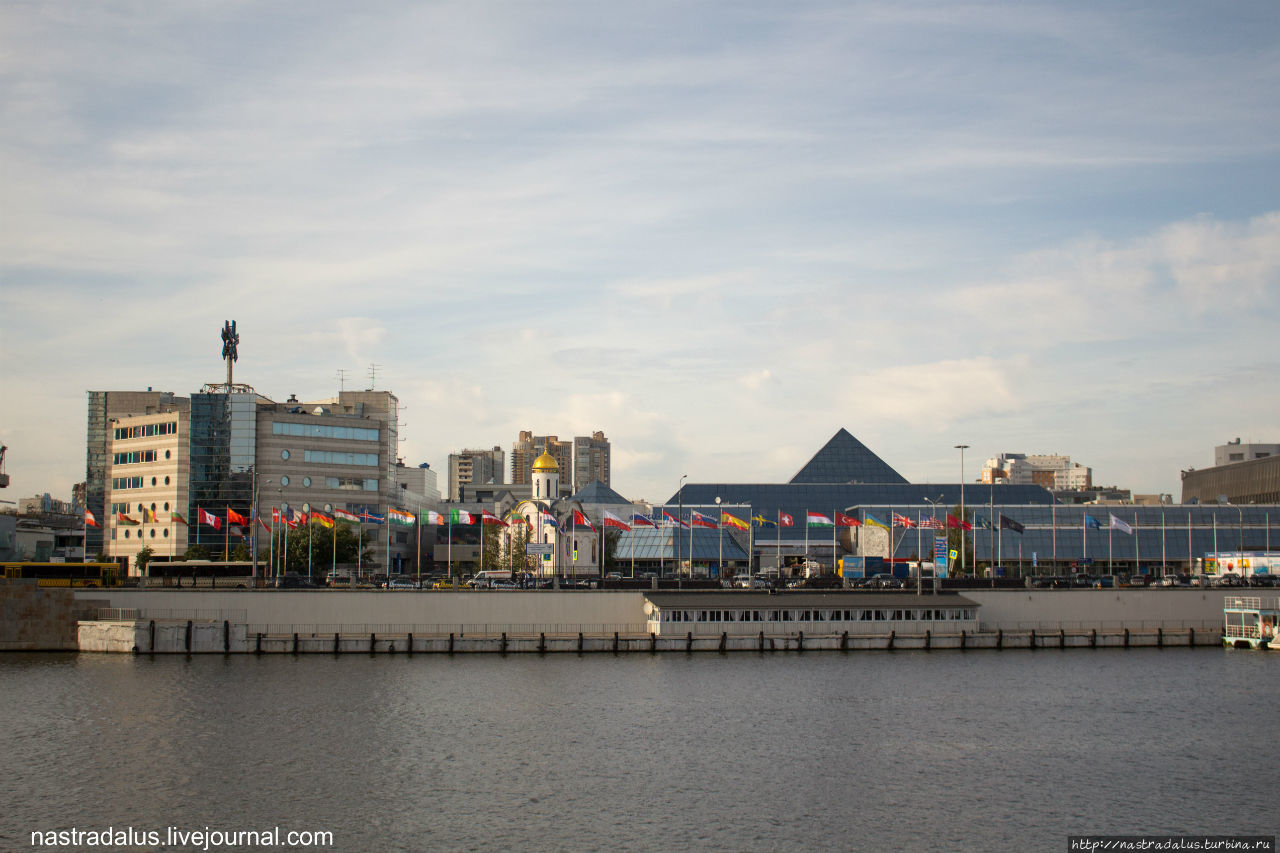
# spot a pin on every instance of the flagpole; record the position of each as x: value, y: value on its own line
x: 310, y: 573
x: 417, y: 545
x: 449, y: 548
x: 284, y: 547
x: 778, y: 556
x: 333, y: 567
x: 835, y: 527
x: 226, y: 539
x: 1111, y: 569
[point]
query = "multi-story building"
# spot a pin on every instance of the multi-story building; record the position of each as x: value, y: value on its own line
x: 475, y: 467
x: 1052, y: 471
x: 167, y: 460
x: 529, y: 447
x: 1234, y: 451
x: 590, y: 460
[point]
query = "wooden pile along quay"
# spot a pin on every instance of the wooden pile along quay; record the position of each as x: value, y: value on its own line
x: 213, y: 637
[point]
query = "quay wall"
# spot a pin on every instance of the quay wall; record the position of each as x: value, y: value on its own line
x: 1105, y: 609
x: 36, y: 618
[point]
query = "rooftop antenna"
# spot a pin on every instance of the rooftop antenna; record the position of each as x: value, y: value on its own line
x: 342, y: 380
x: 373, y: 376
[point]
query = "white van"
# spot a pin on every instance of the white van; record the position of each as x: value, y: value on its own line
x: 487, y: 578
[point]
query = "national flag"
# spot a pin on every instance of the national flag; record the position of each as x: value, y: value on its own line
x: 1007, y: 523
x: 203, y: 517
x: 275, y: 515
x: 843, y: 520
x: 149, y: 516
x: 1122, y: 526
x: 611, y: 520
x: 582, y: 521
x: 459, y: 516
x: 816, y: 519
x: 900, y: 520
x: 487, y: 517
x: 548, y: 518
x: 302, y: 517
x: 956, y: 524
x: 177, y: 516
x: 1090, y: 521
x: 287, y: 520
x: 700, y: 520
x: 372, y: 517
x: 761, y: 521
x: 90, y: 520
x: 121, y: 518
x: 264, y: 525
x: 641, y: 520
x: 343, y: 515
x: 514, y: 517
x: 785, y: 519
x: 932, y: 523
x: 668, y: 520
x: 322, y: 519
x: 399, y: 516
x: 733, y: 521
x: 872, y: 521
x: 234, y: 517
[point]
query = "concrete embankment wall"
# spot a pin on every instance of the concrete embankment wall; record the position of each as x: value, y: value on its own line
x: 1106, y: 609
x: 35, y: 618
x: 278, y: 611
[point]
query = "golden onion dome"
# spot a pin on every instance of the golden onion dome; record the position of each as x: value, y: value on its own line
x: 545, y: 462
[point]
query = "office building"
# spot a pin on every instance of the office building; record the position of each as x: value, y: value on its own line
x: 475, y: 467
x: 1051, y: 471
x: 590, y: 460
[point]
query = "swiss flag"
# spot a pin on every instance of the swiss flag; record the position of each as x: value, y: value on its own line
x: 785, y: 519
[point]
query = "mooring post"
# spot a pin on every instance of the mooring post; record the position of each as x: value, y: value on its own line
x: 337, y: 646
x: 893, y: 635
x: 1033, y: 639
x: 579, y: 642
x: 928, y: 639
x: 542, y: 643
x: 258, y: 648
x: 1191, y: 638
x: 188, y: 636
x: 504, y: 642
x: 1062, y: 638
x: 226, y: 635
x: 800, y: 642
x: 411, y: 643
x: 964, y: 638
x: 844, y: 642
x: 724, y: 638
x: 1126, y: 638
x: 653, y: 642
x: 1160, y: 637
x: 762, y: 641
x: 688, y: 642
x: 450, y: 642
x: 615, y: 642
x: 1093, y: 638
x: 373, y: 642
x: 152, y: 648
x: 295, y: 642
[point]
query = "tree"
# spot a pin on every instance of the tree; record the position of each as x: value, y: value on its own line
x: 142, y: 559
x: 513, y: 555
x: 322, y: 543
x: 610, y: 562
x: 241, y: 553
x: 490, y: 545
x: 196, y: 552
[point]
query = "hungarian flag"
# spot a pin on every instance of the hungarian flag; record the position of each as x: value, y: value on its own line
x: 203, y: 517
x: 733, y: 521
x: 580, y: 519
x: 322, y: 519
x: 843, y: 520
x: 487, y: 517
x: 900, y: 520
x: 90, y: 520
x: 343, y: 515
x: 700, y: 520
x: 177, y: 516
x: 785, y: 519
x: 956, y: 524
x: 639, y: 520
x: 818, y: 520
x: 611, y: 520
x: 121, y: 518
x: 234, y: 517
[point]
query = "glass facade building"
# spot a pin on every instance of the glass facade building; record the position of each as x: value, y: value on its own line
x: 96, y: 472
x: 223, y: 455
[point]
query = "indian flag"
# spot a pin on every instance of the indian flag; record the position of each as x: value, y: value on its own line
x: 819, y: 520
x: 399, y: 516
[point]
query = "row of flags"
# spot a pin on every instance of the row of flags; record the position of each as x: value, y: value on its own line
x: 293, y: 518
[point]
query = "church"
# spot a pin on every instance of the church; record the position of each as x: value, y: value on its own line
x: 571, y: 543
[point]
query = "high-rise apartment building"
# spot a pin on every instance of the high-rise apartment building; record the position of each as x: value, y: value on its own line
x: 590, y: 460
x: 529, y: 447
x: 1052, y: 471
x: 475, y: 467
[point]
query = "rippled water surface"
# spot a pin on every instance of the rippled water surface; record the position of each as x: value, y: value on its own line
x: 870, y: 751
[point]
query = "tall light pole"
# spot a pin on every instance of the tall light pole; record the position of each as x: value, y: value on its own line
x: 675, y: 534
x: 962, y: 448
x: 720, y: 535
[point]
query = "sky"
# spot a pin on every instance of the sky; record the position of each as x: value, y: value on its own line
x: 718, y: 231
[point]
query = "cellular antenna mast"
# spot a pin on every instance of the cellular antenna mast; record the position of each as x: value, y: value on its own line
x: 342, y: 380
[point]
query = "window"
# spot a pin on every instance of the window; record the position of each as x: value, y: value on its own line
x: 324, y: 431
x: 126, y: 483
x: 166, y: 533
x: 153, y: 481
x: 166, y: 506
x: 166, y: 481
x: 126, y: 534
x: 284, y: 481
x: 166, y: 456
x: 351, y: 483
x: 306, y: 482
x: 328, y: 457
x: 153, y: 533
x: 284, y: 454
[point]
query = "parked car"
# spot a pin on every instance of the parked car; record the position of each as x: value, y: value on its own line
x: 1169, y: 581
x: 401, y: 584
x: 293, y: 580
x: 1228, y: 580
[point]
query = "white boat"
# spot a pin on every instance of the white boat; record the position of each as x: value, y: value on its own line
x: 1249, y: 622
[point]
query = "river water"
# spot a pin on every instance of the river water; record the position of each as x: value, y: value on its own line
x: 988, y: 750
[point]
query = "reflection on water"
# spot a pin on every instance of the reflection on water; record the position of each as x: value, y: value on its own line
x: 1012, y: 750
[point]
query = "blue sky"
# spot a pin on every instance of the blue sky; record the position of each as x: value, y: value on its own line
x: 719, y: 232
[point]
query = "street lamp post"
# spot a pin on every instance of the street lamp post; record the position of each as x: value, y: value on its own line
x: 675, y: 534
x: 720, y: 535
x: 933, y: 513
x: 962, y: 448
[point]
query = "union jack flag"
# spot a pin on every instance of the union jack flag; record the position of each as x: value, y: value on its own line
x: 900, y: 520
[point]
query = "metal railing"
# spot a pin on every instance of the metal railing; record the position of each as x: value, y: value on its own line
x: 459, y: 629
x: 118, y: 614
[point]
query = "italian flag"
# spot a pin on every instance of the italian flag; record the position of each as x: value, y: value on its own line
x: 818, y: 520
x: 459, y: 516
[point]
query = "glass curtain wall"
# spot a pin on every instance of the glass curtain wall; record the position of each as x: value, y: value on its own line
x: 223, y: 446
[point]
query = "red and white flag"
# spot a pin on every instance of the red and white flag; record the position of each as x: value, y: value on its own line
x: 900, y: 520
x: 843, y: 520
x: 785, y: 519
x: 90, y: 520
x: 580, y: 519
x: 213, y: 521
x: 611, y: 520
